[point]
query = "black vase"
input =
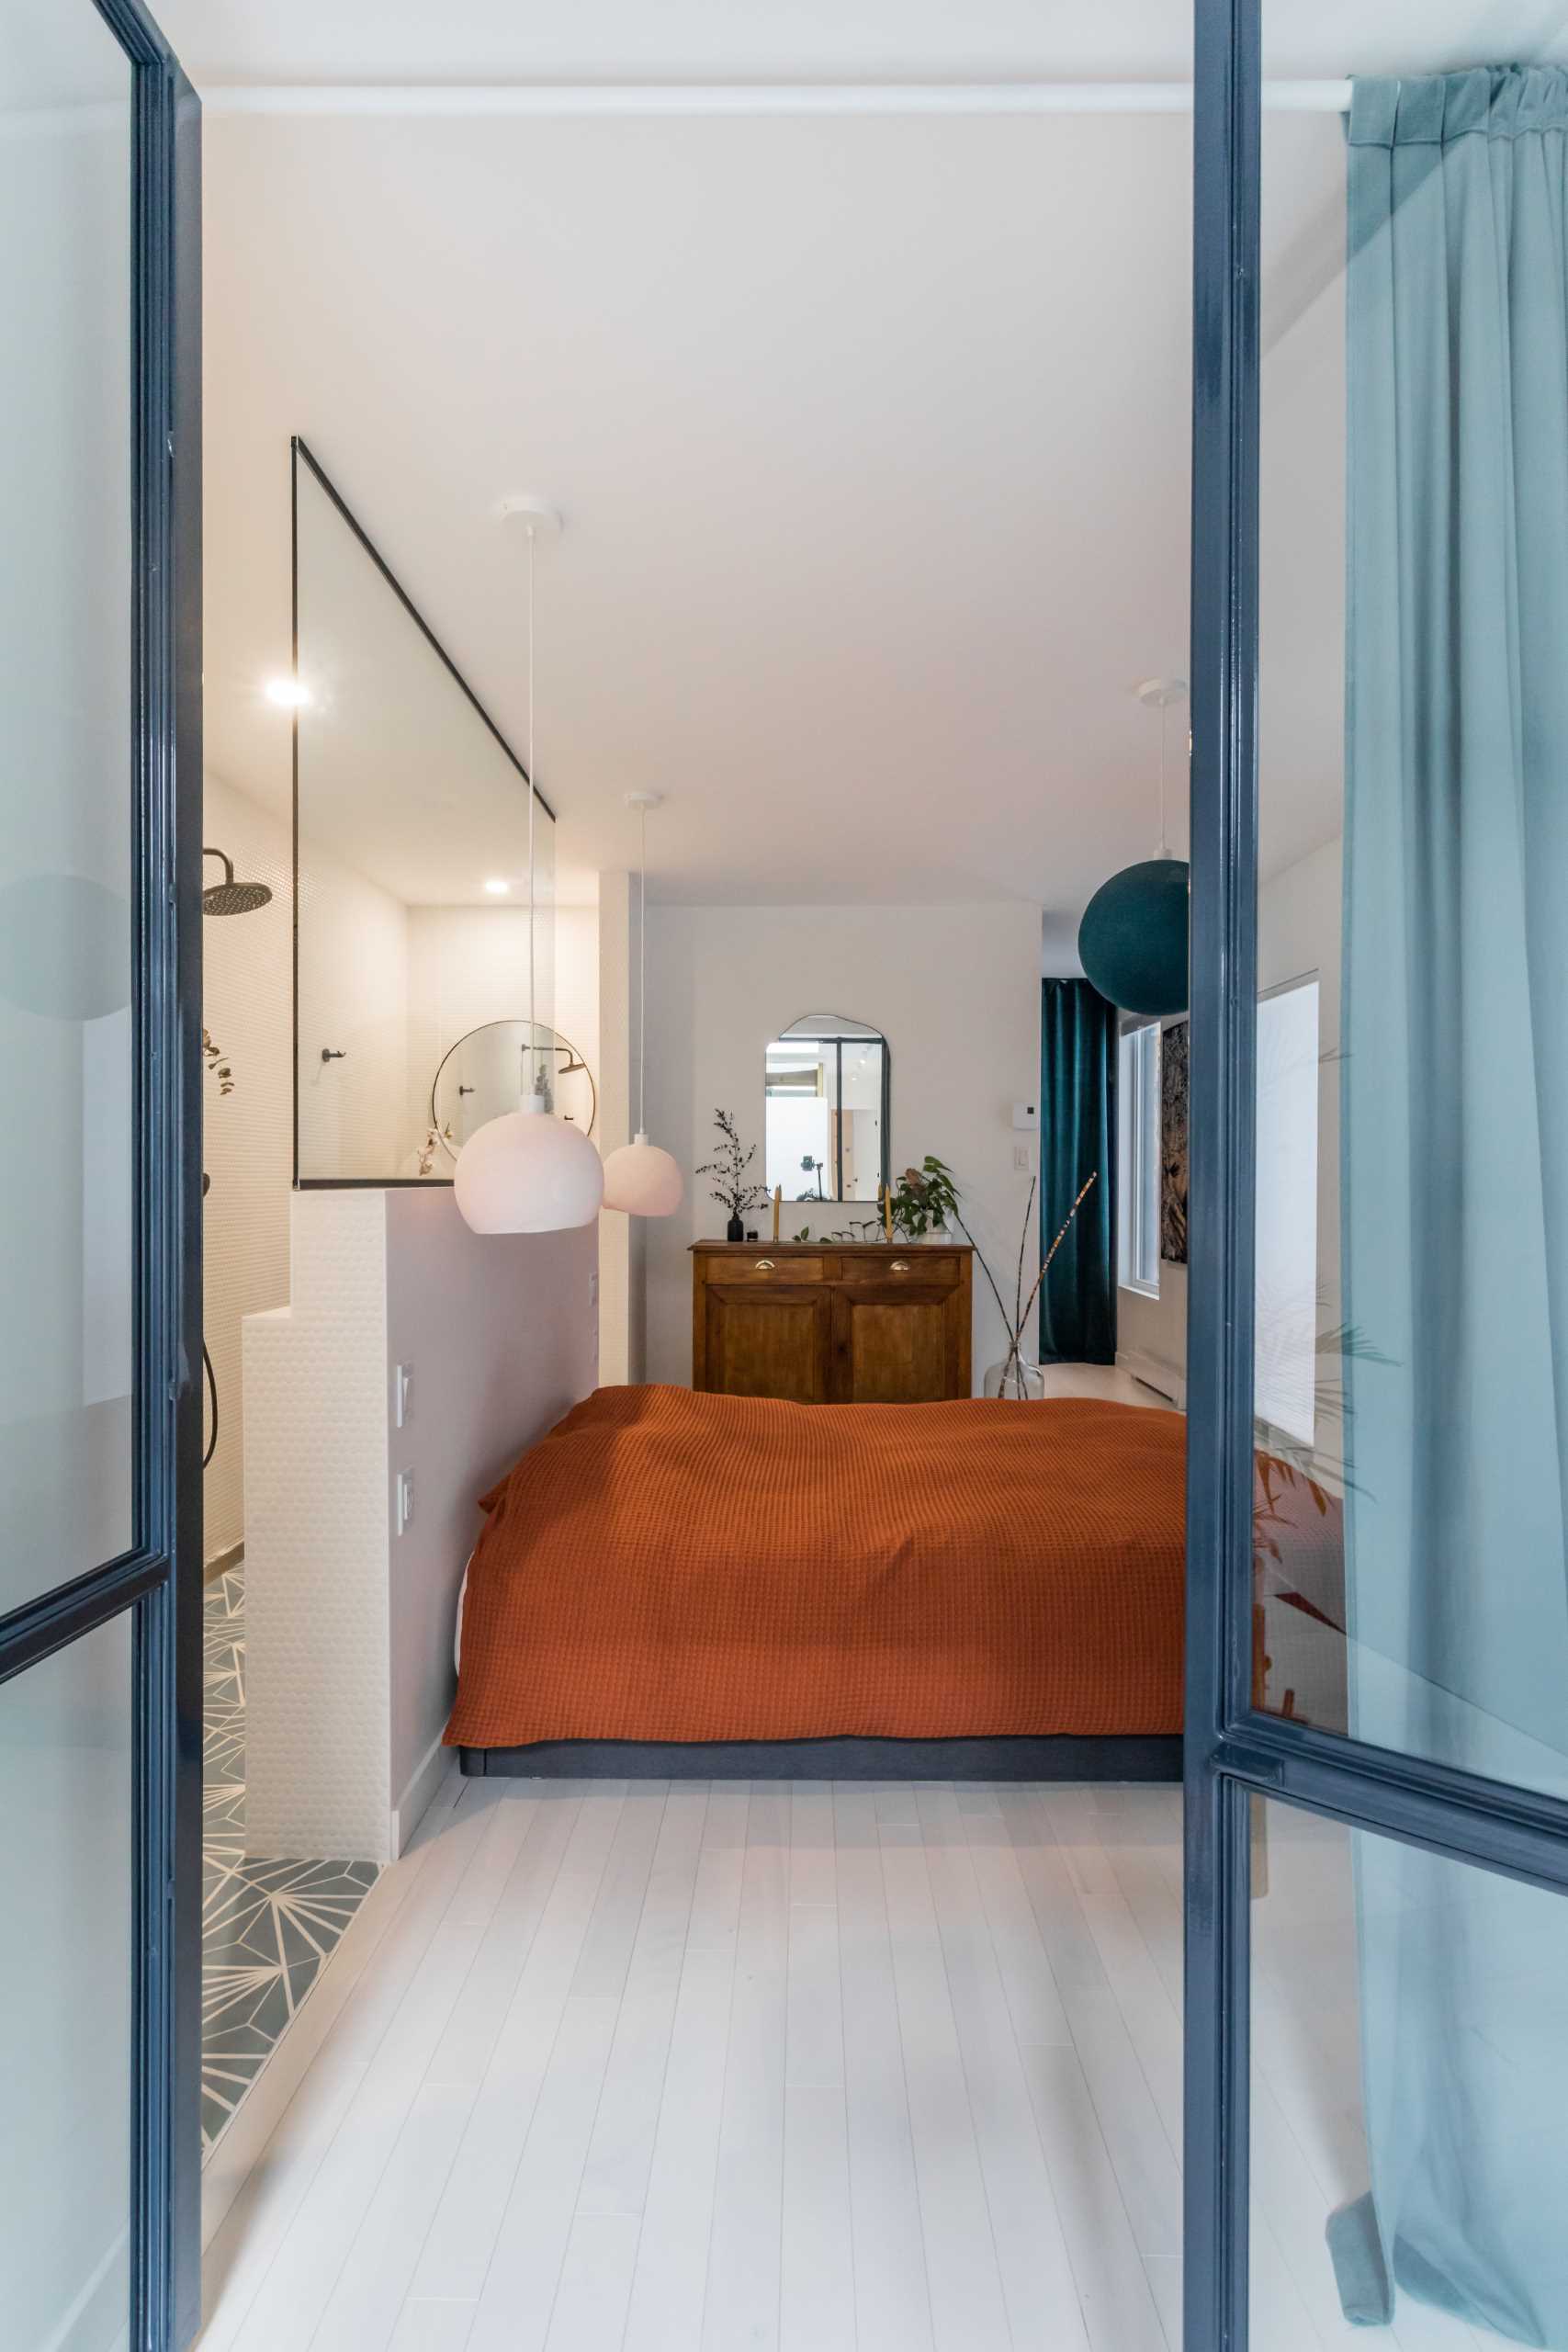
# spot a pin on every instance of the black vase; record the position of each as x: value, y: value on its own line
x: 734, y: 1230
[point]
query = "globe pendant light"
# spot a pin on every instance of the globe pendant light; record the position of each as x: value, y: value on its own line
x: 639, y: 1178
x: 529, y: 1172
x: 1132, y: 938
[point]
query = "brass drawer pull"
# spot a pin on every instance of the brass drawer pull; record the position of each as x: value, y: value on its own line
x: 899, y: 1266
x: 763, y: 1266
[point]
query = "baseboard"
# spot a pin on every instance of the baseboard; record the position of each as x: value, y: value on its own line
x: 1116, y: 1756
x: 423, y: 1781
x: 221, y: 1562
x: 1163, y: 1378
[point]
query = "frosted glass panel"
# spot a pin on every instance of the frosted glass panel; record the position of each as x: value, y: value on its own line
x: 413, y: 866
x: 1409, y: 2091
x: 66, y: 1501
x: 65, y: 1980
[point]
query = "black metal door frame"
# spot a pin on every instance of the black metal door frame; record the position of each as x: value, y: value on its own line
x: 1233, y: 1751
x: 159, y: 1580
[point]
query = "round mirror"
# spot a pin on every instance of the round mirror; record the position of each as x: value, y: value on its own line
x: 491, y: 1070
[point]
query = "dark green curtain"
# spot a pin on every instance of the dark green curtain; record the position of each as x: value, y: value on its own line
x: 1077, y: 1137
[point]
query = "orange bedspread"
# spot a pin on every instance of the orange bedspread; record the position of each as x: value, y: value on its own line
x: 673, y: 1566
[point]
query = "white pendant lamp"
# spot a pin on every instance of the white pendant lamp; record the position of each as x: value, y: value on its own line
x: 529, y: 1172
x: 639, y: 1178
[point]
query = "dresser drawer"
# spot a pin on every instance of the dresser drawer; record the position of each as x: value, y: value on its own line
x: 764, y: 1267
x: 934, y: 1269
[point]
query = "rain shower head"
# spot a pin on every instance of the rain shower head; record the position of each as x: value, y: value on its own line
x: 232, y: 897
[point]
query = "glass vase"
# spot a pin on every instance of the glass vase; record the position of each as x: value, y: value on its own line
x: 1022, y: 1382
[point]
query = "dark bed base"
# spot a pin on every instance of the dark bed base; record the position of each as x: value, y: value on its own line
x: 1123, y: 1756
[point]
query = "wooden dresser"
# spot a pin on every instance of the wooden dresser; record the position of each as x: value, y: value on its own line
x: 826, y: 1325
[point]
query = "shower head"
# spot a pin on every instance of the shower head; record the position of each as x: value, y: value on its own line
x: 232, y: 897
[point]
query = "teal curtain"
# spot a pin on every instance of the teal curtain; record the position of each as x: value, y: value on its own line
x: 1455, y: 1204
x: 1077, y: 1137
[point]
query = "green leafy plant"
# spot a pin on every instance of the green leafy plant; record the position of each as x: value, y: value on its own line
x: 924, y: 1198
x: 804, y: 1234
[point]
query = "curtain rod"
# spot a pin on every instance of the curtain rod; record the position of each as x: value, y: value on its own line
x: 738, y: 98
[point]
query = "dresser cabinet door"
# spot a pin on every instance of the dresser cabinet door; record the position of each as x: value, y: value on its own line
x: 767, y: 1340
x: 894, y: 1343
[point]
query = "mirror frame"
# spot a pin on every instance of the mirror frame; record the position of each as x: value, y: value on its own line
x: 856, y: 1033
x: 561, y: 1044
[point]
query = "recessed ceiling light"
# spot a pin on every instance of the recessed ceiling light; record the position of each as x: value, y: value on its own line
x: 287, y: 693
x: 497, y: 888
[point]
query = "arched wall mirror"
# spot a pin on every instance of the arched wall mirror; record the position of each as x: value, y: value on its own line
x: 826, y: 1105
x: 491, y: 1069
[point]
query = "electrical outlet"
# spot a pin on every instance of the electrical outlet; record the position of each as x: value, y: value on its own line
x: 1021, y: 1157
x: 405, y: 1500
x: 401, y: 1378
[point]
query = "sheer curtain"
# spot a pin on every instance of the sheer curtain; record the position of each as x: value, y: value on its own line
x: 1455, y: 1079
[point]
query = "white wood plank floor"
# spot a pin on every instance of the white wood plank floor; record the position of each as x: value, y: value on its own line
x: 694, y: 2067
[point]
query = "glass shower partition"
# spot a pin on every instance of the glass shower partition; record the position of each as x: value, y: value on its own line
x: 412, y: 844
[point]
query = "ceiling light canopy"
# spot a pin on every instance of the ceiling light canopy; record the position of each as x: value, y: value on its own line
x: 287, y: 693
x: 497, y: 886
x: 528, y: 1171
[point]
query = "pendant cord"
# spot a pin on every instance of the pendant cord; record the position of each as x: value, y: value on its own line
x: 642, y: 980
x: 532, y: 1055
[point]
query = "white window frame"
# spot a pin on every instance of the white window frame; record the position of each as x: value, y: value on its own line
x: 1138, y: 1157
x: 1292, y: 1323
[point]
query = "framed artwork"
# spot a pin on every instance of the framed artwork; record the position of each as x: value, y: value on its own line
x: 1173, y: 1144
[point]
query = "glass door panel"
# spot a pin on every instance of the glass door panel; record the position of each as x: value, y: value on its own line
x: 1410, y: 1577
x: 100, y: 603
x: 1409, y: 2091
x: 66, y: 1958
x: 66, y: 1500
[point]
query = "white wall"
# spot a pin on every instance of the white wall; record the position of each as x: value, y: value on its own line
x: 502, y: 1336
x: 247, y: 1134
x: 349, y: 1624
x: 954, y: 990
x: 623, y: 1240
x: 353, y: 997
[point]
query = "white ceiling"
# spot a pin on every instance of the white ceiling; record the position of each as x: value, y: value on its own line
x: 817, y: 40
x: 871, y: 434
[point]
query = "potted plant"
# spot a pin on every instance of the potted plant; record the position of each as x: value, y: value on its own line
x: 925, y: 1200
x: 728, y: 1166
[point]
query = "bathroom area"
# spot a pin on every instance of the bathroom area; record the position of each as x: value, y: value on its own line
x: 385, y: 967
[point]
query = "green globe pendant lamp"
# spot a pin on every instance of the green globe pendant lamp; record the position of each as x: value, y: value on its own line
x: 1132, y: 940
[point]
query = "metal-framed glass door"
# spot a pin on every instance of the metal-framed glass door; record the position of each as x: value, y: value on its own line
x: 1377, y: 1676
x: 100, y: 1436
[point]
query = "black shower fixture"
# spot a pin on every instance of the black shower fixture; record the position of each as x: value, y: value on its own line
x: 232, y: 897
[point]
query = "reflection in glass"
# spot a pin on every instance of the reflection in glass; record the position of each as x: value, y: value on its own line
x: 1412, y: 1570
x: 826, y: 1086
x: 481, y: 1077
x: 413, y: 863
x: 65, y: 1979
x: 1409, y: 2084
x: 66, y: 1268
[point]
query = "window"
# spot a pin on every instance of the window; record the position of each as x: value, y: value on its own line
x: 1138, y: 1159
x: 1285, y: 1340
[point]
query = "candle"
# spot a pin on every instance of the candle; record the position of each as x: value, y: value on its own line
x: 778, y: 1196
x: 887, y: 1211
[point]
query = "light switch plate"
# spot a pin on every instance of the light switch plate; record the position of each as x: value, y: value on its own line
x: 401, y: 1377
x: 1021, y: 1157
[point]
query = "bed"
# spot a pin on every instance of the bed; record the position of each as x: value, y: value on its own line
x: 677, y: 1584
